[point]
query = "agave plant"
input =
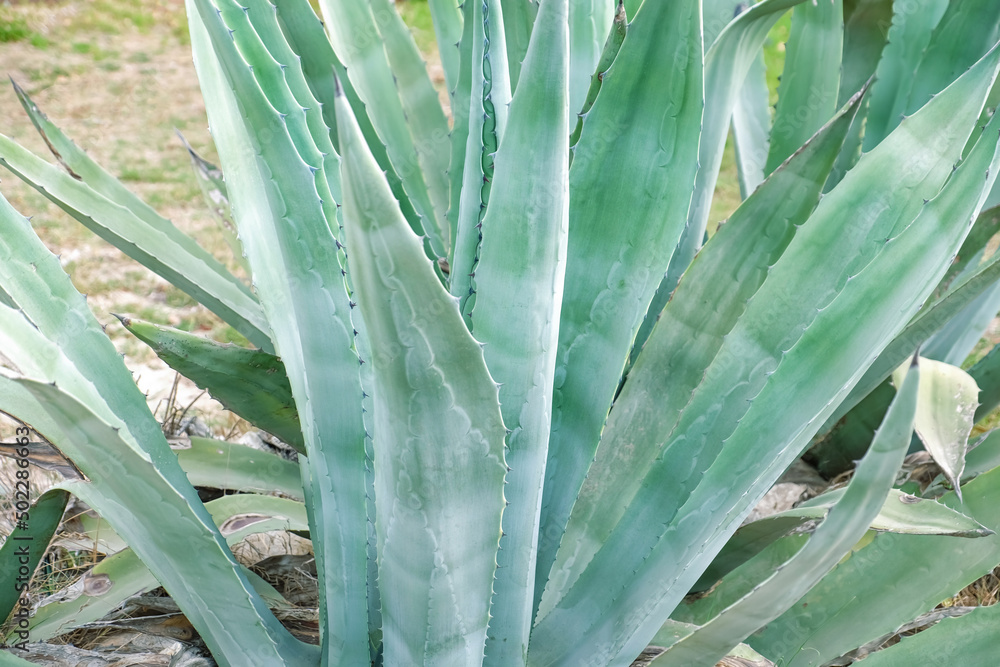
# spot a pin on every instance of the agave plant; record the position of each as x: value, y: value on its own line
x: 533, y: 405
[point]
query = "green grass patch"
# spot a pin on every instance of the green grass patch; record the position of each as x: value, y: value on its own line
x: 727, y: 196
x: 170, y: 170
x: 101, y: 54
x: 154, y: 315
x: 14, y: 30
x: 417, y: 16
x: 89, y: 48
x: 132, y: 174
x: 111, y: 16
x: 127, y: 11
x: 175, y: 298
x: 181, y: 32
x: 231, y: 335
x: 161, y: 198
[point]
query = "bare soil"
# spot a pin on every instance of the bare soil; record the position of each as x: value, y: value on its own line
x: 117, y: 77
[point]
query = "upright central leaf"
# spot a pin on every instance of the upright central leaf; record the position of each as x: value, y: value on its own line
x: 439, y: 464
x: 520, y: 287
x: 487, y: 106
x: 282, y: 185
x: 408, y: 121
x: 631, y: 182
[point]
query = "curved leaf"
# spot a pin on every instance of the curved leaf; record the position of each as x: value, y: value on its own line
x: 849, y: 607
x: 122, y: 575
x: 900, y: 513
x: 219, y: 464
x: 948, y: 401
x: 170, y: 524
x: 355, y: 30
x: 298, y: 266
x: 24, y: 547
x: 970, y: 639
x: 251, y: 383
x: 845, y: 523
x: 912, y: 26
x: 726, y: 274
x: 215, y: 288
x: 516, y: 316
x: 795, y: 352
x: 488, y: 100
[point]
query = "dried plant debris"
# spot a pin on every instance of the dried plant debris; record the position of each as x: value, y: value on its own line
x: 922, y: 622
x: 800, y: 482
x: 169, y: 654
x: 650, y: 653
x: 982, y: 592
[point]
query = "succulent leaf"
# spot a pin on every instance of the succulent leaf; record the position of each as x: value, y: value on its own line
x: 532, y: 399
x: 489, y: 99
x: 589, y: 23
x: 213, y: 189
x: 946, y: 405
x: 193, y: 271
x: 726, y: 64
x: 900, y: 513
x: 729, y: 255
x: 82, y: 167
x: 906, y: 42
x: 612, y: 45
x: 849, y: 608
x: 639, y: 157
x: 250, y: 383
x: 25, y: 545
x: 845, y: 523
x: 807, y: 97
x: 727, y: 274
x: 172, y: 520
x: 448, y: 27
x: 355, y: 29
x: 643, y: 543
x: 226, y: 465
x: 519, y: 18
x: 298, y: 267
x: 121, y: 575
x: 973, y: 636
x: 520, y: 280
x: 752, y: 127
x: 439, y: 461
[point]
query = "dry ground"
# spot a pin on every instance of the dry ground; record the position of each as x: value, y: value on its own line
x: 117, y: 77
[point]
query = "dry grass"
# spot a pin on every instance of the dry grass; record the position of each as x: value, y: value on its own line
x: 117, y: 77
x: 983, y: 592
